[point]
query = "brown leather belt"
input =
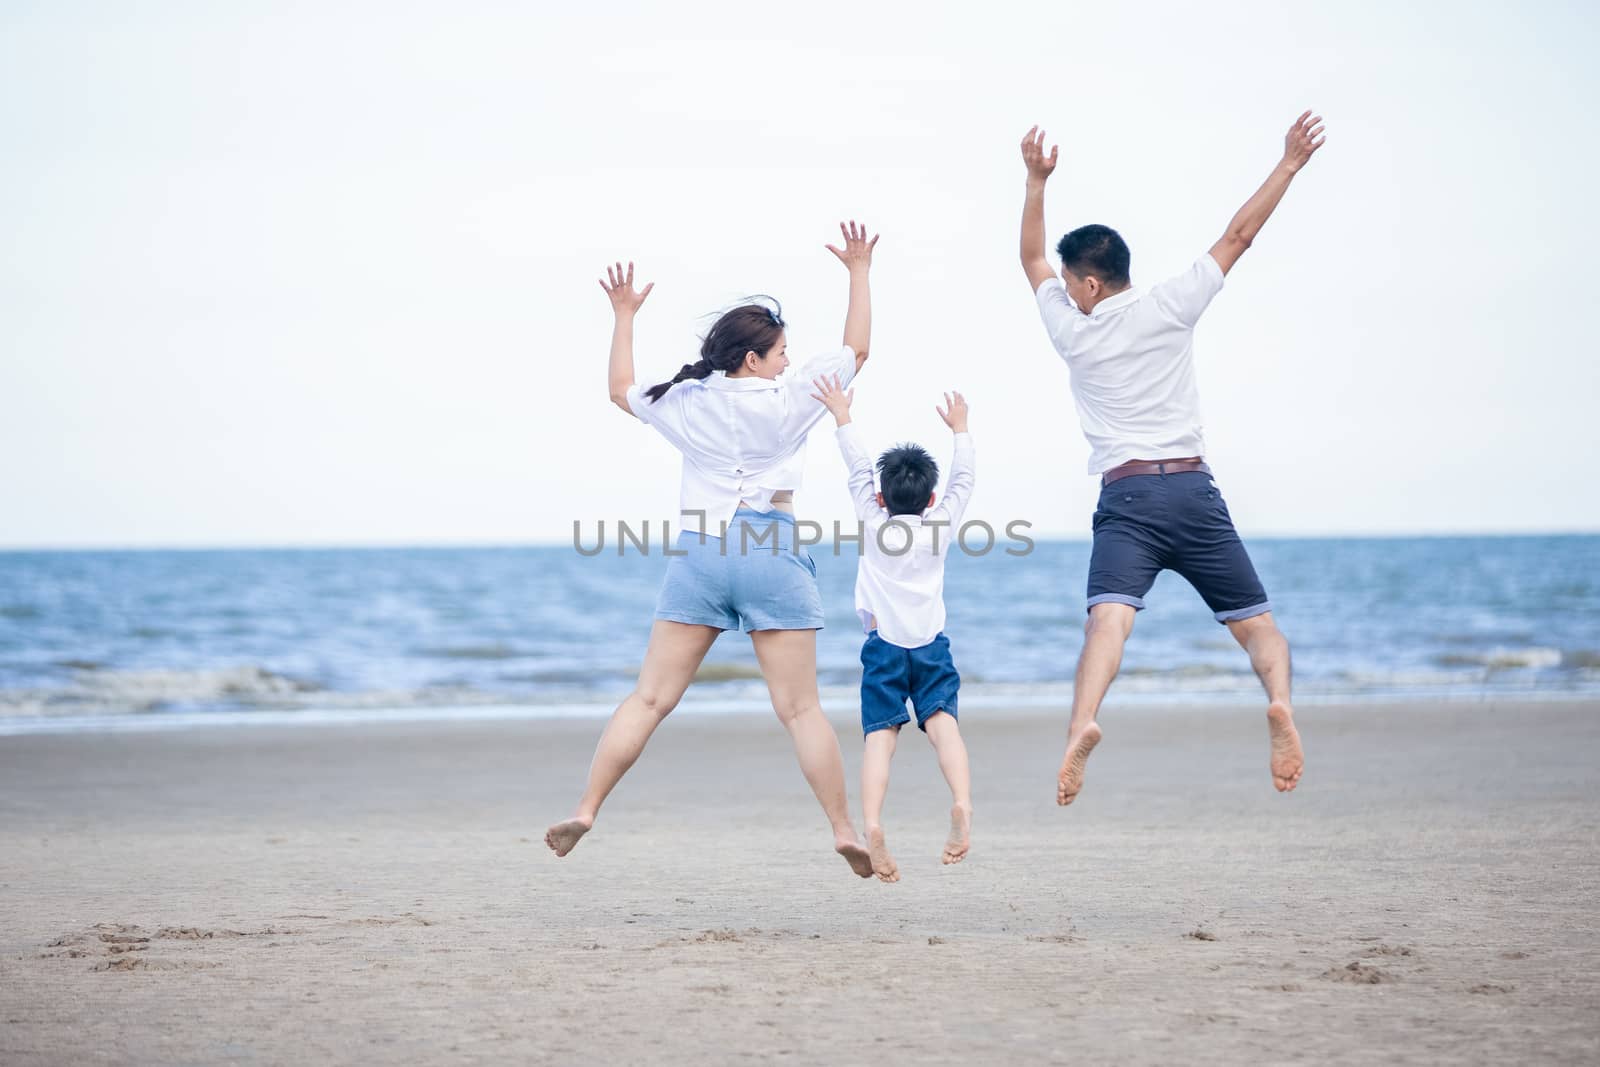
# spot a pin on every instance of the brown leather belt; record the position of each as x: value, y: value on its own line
x: 1165, y: 466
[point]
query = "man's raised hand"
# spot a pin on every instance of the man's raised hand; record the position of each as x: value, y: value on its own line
x: 1303, y: 139
x: 1040, y: 166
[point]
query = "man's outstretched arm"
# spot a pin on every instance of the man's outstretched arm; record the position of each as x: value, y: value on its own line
x: 1303, y: 138
x: 1039, y: 168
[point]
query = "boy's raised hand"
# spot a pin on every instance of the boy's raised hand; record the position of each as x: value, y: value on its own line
x: 833, y: 397
x: 954, y: 412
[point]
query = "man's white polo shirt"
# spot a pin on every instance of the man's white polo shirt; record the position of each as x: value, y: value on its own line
x: 1131, y: 363
x: 742, y: 439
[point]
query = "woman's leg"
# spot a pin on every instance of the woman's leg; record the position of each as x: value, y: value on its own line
x: 674, y: 654
x: 788, y: 661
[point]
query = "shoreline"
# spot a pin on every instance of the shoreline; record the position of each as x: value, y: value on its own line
x: 1040, y: 705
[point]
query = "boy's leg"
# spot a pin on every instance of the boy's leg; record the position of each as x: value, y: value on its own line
x: 878, y: 751
x: 674, y: 654
x: 788, y: 660
x: 952, y: 752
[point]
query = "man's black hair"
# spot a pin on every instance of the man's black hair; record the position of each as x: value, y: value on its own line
x: 907, y: 475
x: 1096, y: 250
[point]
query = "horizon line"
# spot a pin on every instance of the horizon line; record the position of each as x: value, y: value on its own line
x: 441, y: 545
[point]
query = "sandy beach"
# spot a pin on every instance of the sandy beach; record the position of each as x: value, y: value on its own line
x: 339, y: 894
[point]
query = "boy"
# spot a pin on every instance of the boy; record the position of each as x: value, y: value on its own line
x: 900, y: 598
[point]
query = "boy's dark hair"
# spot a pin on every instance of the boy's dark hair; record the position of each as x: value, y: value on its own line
x: 907, y: 475
x: 1096, y: 250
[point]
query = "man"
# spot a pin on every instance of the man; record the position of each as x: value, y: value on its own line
x: 1131, y: 361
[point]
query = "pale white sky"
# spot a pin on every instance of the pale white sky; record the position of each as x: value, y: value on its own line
x: 325, y: 273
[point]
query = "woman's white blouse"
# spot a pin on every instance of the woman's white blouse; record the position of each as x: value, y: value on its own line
x: 742, y: 439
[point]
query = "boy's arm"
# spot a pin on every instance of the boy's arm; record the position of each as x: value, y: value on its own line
x: 856, y: 461
x: 1303, y: 139
x: 963, y: 467
x: 1039, y: 165
x: 858, y: 464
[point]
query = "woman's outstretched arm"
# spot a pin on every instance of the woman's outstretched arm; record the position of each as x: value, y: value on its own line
x: 856, y: 255
x: 624, y: 303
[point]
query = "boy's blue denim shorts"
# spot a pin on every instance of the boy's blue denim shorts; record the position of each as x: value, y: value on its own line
x: 757, y: 578
x: 1179, y: 522
x: 891, y: 675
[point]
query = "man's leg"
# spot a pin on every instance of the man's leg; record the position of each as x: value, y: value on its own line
x: 674, y: 654
x: 1103, y: 637
x: 1269, y: 658
x: 878, y: 751
x: 1212, y: 558
x: 952, y: 752
x: 788, y: 660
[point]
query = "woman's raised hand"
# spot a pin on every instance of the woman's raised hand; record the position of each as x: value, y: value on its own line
x: 623, y: 299
x: 857, y: 251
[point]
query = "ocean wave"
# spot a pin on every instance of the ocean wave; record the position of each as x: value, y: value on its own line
x: 133, y: 691
x: 1504, y: 659
x: 475, y: 652
x: 727, y: 672
x: 234, y: 690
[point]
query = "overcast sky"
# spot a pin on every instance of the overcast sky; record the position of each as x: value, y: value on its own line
x: 325, y: 273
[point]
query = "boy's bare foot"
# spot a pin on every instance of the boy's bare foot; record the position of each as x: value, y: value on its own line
x: 1288, y: 761
x: 1078, y: 748
x: 563, y: 837
x: 850, y: 848
x: 883, y: 864
x: 955, y: 849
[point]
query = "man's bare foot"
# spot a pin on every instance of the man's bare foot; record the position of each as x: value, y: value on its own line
x: 563, y: 837
x: 1288, y: 761
x: 1078, y: 749
x: 883, y: 864
x: 849, y: 846
x: 955, y: 849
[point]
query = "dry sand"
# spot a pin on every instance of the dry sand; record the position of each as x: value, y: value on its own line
x: 333, y: 894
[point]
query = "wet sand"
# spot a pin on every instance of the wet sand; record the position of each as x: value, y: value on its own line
x: 338, y: 894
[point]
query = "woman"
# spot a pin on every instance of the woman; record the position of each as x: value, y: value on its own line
x: 742, y: 431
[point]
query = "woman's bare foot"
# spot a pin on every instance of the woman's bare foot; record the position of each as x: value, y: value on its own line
x: 1078, y: 748
x: 1288, y: 761
x: 849, y: 846
x: 883, y: 864
x: 563, y: 837
x: 955, y: 849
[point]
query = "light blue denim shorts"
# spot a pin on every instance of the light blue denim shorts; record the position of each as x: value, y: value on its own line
x: 756, y: 578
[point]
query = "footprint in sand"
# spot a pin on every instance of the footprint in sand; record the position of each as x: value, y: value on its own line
x: 1358, y: 973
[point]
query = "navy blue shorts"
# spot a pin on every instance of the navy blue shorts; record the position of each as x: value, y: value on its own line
x: 1177, y: 522
x: 891, y: 675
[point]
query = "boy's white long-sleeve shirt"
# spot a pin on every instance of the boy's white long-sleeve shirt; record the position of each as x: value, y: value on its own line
x: 900, y: 579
